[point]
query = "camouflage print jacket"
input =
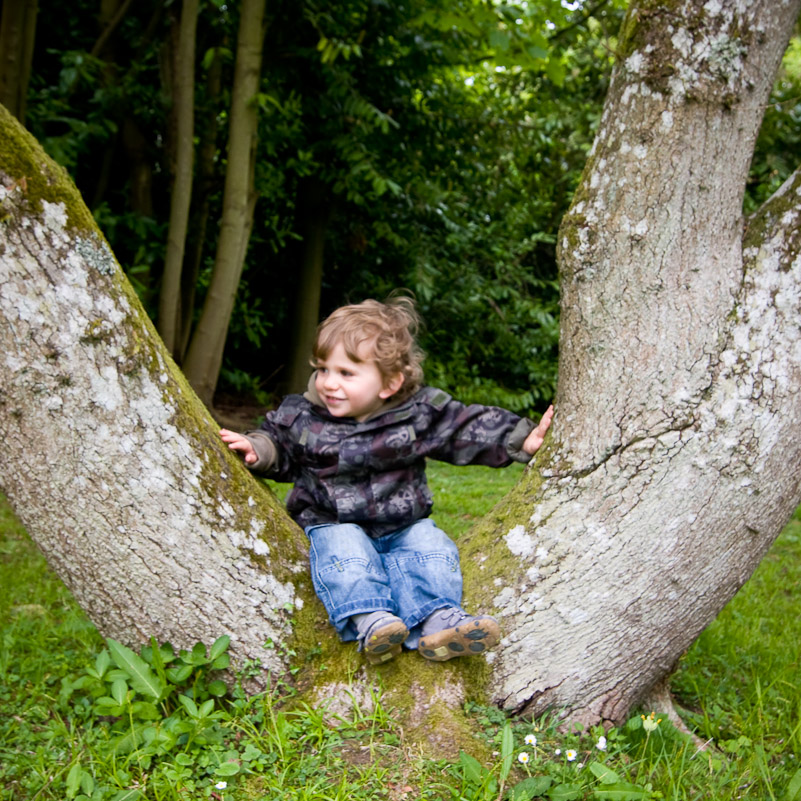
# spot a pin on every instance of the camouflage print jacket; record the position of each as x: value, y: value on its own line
x: 372, y: 473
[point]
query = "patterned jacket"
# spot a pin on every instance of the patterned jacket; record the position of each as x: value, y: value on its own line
x: 372, y: 473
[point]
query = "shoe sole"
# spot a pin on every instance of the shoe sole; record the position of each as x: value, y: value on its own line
x: 467, y: 639
x: 385, y: 643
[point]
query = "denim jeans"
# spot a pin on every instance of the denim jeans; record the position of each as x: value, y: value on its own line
x: 410, y: 573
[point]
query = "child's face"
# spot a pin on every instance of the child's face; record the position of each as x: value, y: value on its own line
x: 352, y: 389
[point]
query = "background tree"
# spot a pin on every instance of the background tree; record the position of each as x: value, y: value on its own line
x: 204, y: 356
x: 355, y: 104
x: 17, y: 35
x: 170, y: 311
x: 673, y: 462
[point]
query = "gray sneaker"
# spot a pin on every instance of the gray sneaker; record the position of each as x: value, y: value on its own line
x: 381, y: 635
x: 452, y: 632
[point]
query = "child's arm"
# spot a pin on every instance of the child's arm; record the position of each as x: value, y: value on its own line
x: 534, y: 439
x: 237, y: 442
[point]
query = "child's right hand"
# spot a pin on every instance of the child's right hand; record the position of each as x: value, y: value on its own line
x: 236, y: 442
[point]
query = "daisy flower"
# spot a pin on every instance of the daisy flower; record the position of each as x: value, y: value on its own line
x: 221, y: 785
x: 601, y: 744
x: 570, y: 754
x: 531, y: 739
x: 522, y: 757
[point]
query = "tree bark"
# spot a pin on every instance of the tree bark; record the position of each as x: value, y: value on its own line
x: 17, y: 36
x: 205, y: 353
x: 170, y: 314
x: 108, y: 458
x: 201, y: 204
x: 672, y: 465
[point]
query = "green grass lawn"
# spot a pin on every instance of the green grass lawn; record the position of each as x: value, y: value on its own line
x: 74, y: 726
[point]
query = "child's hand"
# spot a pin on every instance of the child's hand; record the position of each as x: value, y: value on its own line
x: 535, y: 438
x: 236, y: 442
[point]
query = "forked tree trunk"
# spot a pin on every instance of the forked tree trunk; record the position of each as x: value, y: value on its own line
x: 675, y: 456
x: 673, y: 462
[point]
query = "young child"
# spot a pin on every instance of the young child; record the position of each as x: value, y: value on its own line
x: 355, y: 446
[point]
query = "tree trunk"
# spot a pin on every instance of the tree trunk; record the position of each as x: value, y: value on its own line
x: 673, y: 462
x: 675, y: 458
x: 108, y: 458
x: 17, y: 36
x: 201, y: 205
x: 205, y: 353
x: 315, y: 211
x: 183, y: 94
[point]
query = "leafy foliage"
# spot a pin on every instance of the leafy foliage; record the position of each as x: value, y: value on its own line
x: 442, y: 140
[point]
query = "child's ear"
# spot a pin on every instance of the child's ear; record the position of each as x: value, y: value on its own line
x: 391, y: 386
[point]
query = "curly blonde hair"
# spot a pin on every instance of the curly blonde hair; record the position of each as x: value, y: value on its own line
x: 389, y: 328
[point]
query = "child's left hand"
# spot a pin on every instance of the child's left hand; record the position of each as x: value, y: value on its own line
x: 535, y: 438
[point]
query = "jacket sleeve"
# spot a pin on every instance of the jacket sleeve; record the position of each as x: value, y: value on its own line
x: 474, y: 434
x: 266, y: 451
x: 272, y: 442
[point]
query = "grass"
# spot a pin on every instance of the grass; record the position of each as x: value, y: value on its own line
x: 75, y: 724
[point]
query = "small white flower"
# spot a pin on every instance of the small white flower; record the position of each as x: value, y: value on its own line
x: 221, y: 785
x: 558, y: 751
x: 601, y: 744
x: 531, y: 739
x: 570, y: 754
x: 650, y: 722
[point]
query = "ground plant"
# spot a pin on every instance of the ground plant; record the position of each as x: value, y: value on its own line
x: 88, y: 719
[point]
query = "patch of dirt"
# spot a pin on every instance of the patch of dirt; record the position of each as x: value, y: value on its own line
x: 238, y: 414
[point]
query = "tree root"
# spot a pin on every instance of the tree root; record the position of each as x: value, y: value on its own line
x: 660, y: 699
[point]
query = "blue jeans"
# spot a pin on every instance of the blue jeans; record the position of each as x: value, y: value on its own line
x: 410, y: 573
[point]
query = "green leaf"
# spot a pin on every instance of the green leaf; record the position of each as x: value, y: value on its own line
x: 794, y: 787
x: 219, y: 647
x: 119, y: 691
x: 128, y: 795
x: 604, y: 774
x: 189, y: 705
x: 102, y: 663
x: 221, y: 662
x: 507, y: 750
x: 555, y: 70
x: 471, y: 768
x: 530, y: 788
x: 142, y: 677
x: 227, y: 769
x: 74, y: 780
x: 131, y: 740
x: 145, y: 710
x: 565, y: 792
x: 537, y: 52
x: 177, y: 675
x: 499, y: 40
x: 623, y: 791
x: 87, y: 783
x: 217, y: 688
x: 206, y: 708
x: 198, y: 654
